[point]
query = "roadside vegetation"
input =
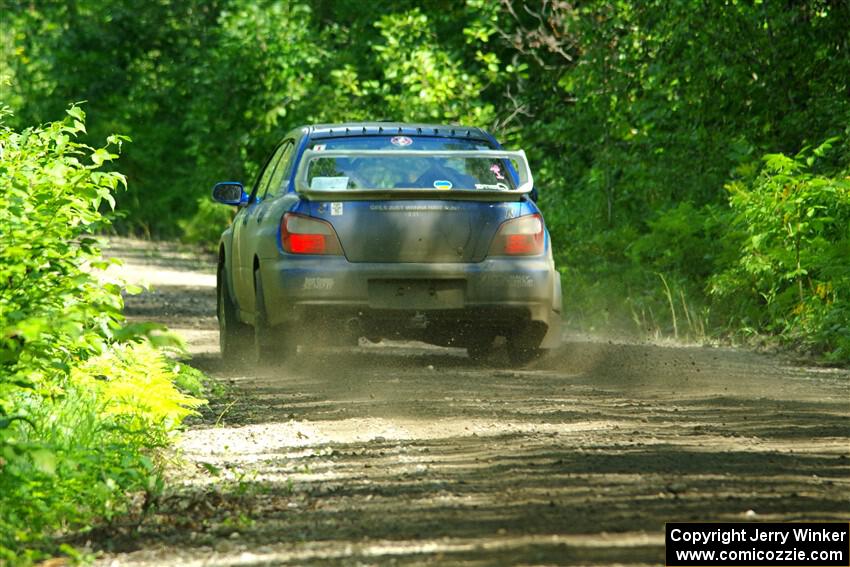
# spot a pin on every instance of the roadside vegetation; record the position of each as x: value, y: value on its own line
x: 85, y: 398
x: 691, y: 157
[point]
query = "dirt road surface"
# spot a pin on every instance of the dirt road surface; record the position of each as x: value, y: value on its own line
x: 405, y: 454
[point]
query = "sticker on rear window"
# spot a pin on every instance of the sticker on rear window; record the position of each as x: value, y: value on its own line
x: 336, y: 209
x: 493, y: 187
x: 319, y: 147
x: 497, y: 171
x: 329, y: 183
x: 442, y: 184
x: 401, y: 141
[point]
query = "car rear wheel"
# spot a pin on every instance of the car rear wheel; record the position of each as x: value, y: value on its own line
x: 523, y: 345
x: 271, y: 344
x: 234, y: 336
x: 480, y: 348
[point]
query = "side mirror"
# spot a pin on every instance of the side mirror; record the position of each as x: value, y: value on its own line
x: 533, y: 195
x: 230, y: 193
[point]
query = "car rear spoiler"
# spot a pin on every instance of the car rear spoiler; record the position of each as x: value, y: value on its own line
x: 516, y: 166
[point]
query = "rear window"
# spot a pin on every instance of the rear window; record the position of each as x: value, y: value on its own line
x: 408, y: 172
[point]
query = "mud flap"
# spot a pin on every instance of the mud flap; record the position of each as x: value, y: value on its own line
x: 553, y: 334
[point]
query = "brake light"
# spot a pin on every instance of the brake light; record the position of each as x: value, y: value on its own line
x: 521, y: 236
x: 306, y: 235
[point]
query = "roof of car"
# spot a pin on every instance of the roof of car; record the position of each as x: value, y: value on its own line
x: 394, y: 129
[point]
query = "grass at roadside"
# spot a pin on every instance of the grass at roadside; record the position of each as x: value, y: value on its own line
x: 91, y: 453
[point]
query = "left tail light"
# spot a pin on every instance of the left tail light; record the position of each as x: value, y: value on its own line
x: 307, y: 235
x: 522, y: 236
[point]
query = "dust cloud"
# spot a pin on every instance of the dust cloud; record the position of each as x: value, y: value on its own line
x: 404, y: 453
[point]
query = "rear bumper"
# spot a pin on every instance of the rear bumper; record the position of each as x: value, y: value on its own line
x: 311, y: 288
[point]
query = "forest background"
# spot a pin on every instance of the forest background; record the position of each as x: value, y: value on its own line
x: 691, y: 156
x: 692, y: 160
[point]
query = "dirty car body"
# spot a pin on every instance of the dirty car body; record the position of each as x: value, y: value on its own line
x: 383, y: 230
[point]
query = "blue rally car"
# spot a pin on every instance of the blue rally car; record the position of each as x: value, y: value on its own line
x: 387, y: 230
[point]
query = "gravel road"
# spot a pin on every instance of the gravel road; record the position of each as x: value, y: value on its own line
x: 404, y: 454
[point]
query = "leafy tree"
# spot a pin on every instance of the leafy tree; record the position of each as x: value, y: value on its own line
x: 791, y: 275
x: 635, y: 115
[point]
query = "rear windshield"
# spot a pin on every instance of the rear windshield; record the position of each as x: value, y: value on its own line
x: 408, y: 172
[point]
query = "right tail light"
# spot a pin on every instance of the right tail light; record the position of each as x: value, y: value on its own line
x: 522, y: 236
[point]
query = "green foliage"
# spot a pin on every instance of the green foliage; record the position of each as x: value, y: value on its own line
x: 51, y: 310
x: 635, y: 115
x: 86, y: 454
x: 206, y: 225
x: 189, y: 380
x: 423, y: 81
x: 792, y: 276
x: 678, y: 241
x: 657, y: 106
x: 80, y: 412
x: 138, y: 385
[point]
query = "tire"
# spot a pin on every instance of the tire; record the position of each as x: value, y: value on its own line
x: 271, y: 344
x: 523, y: 345
x: 523, y: 356
x: 480, y: 348
x: 234, y: 336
